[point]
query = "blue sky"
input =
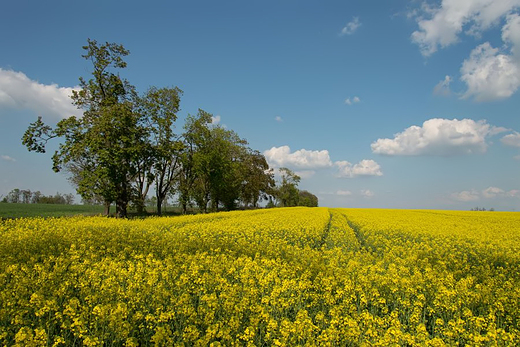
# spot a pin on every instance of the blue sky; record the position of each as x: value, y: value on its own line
x: 387, y: 104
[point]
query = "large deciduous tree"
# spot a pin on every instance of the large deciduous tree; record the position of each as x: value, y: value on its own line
x: 161, y: 157
x: 105, y: 142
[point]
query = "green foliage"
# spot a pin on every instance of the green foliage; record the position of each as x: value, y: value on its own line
x: 307, y: 199
x: 287, y: 193
x: 25, y: 196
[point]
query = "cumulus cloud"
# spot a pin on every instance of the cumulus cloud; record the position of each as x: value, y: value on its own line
x: 443, y: 87
x: 300, y: 159
x: 351, y: 27
x: 365, y: 167
x: 18, y: 91
x: 512, y: 140
x: 7, y: 158
x: 441, y: 26
x: 439, y: 136
x: 489, y: 75
x: 354, y: 100
x: 466, y: 195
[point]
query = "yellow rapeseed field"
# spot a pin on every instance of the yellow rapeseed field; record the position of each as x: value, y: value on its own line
x: 283, y: 277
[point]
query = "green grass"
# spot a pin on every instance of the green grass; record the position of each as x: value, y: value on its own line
x: 46, y: 210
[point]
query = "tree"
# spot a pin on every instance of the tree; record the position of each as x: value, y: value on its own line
x: 287, y: 193
x: 307, y: 199
x: 35, y: 199
x: 14, y: 196
x: 193, y: 180
x: 217, y: 168
x: 103, y: 143
x: 162, y: 151
x: 26, y: 196
x: 257, y: 178
x: 224, y: 151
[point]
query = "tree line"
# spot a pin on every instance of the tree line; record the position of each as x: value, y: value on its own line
x: 26, y: 196
x: 126, y: 143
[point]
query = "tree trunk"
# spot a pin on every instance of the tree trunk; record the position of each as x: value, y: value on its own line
x: 159, y: 205
x: 106, y: 212
x: 121, y: 209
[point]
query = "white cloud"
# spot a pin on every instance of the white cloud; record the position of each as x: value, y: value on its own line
x: 365, y: 167
x: 351, y: 27
x: 19, y: 92
x: 301, y: 159
x: 492, y: 192
x: 367, y: 193
x: 439, y: 136
x: 278, y: 119
x: 354, y: 100
x: 512, y: 140
x: 465, y: 195
x: 7, y: 158
x: 215, y: 120
x: 344, y: 193
x: 443, y: 87
x: 440, y: 26
x: 511, y: 34
x: 489, y: 75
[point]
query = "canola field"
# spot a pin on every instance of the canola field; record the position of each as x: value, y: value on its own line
x: 278, y: 277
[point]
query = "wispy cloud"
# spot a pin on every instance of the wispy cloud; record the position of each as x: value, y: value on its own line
x: 351, y: 27
x: 466, y: 195
x: 367, y: 193
x: 488, y: 193
x: 354, y: 100
x: 344, y: 193
x: 443, y: 87
x: 18, y: 91
x: 7, y: 158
